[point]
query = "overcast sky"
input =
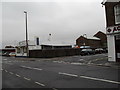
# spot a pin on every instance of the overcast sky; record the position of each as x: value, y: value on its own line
x: 66, y: 21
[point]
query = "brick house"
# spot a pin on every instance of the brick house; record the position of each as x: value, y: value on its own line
x: 98, y: 41
x: 112, y: 9
x: 103, y: 38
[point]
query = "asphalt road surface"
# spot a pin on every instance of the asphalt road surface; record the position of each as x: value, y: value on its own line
x: 54, y: 74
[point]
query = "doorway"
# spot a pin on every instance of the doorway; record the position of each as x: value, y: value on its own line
x: 117, y: 47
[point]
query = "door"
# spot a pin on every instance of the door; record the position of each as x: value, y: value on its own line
x: 117, y: 47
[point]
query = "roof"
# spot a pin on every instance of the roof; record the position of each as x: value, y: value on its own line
x: 95, y: 38
x: 104, y: 1
x: 8, y: 48
x: 99, y: 33
x: 49, y: 43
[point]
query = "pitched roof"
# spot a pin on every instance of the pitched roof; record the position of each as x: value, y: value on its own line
x: 94, y: 38
x: 98, y: 33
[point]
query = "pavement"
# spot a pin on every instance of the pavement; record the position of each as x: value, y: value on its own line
x: 100, y: 61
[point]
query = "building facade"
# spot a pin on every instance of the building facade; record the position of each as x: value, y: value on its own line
x: 112, y: 9
x: 98, y: 41
x: 21, y: 47
x: 54, y: 45
x: 103, y: 39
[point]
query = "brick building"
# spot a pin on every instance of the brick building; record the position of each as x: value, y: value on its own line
x: 98, y: 41
x: 112, y: 9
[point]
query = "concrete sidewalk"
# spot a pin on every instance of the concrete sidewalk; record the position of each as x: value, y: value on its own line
x: 106, y: 63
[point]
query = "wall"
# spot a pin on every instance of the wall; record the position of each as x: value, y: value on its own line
x: 94, y: 43
x: 102, y: 37
x: 46, y: 47
x: 111, y: 48
x: 109, y: 8
x: 88, y: 42
x: 53, y: 53
x: 34, y: 47
x: 110, y: 22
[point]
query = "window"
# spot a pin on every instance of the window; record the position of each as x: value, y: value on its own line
x: 117, y: 37
x: 117, y: 13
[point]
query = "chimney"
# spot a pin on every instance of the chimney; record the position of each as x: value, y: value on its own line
x: 37, y: 41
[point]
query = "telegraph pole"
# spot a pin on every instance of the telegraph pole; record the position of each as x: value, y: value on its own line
x: 27, y: 50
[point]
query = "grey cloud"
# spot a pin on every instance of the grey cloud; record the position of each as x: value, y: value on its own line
x: 66, y: 21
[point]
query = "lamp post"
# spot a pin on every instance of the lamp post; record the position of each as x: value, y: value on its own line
x: 27, y: 51
x: 84, y: 38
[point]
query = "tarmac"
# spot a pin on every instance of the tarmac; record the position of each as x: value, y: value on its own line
x: 99, y: 62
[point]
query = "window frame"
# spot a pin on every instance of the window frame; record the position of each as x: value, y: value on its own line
x: 116, y: 23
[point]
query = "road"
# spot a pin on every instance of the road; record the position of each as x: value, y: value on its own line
x: 54, y: 74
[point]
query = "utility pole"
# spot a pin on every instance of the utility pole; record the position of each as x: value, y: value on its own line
x: 27, y: 51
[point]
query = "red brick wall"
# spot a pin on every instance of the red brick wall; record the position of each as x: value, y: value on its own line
x: 109, y: 8
x: 102, y: 36
x: 88, y: 42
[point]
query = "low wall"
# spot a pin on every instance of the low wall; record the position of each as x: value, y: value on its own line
x: 53, y: 53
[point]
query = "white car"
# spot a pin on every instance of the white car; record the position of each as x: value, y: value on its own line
x: 99, y: 50
x: 12, y: 54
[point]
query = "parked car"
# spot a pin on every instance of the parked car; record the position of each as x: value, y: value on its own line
x: 87, y: 52
x: 12, y: 54
x: 82, y: 47
x: 99, y: 50
x: 6, y: 54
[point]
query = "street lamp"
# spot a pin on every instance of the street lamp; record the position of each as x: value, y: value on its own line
x: 27, y: 51
x: 84, y: 38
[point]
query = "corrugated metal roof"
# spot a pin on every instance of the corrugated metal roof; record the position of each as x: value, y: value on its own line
x: 51, y: 43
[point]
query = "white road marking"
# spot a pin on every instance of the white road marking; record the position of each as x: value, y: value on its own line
x: 54, y: 89
x: 40, y: 84
x: 55, y: 61
x: 6, y: 71
x: 17, y: 75
x: 77, y: 63
x: 98, y: 79
x: 73, y: 75
x: 31, y: 68
x: 26, y: 67
x: 10, y: 72
x: 92, y: 78
x: 4, y: 59
x: 81, y: 59
x: 27, y: 79
x: 9, y: 63
x: 37, y: 68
